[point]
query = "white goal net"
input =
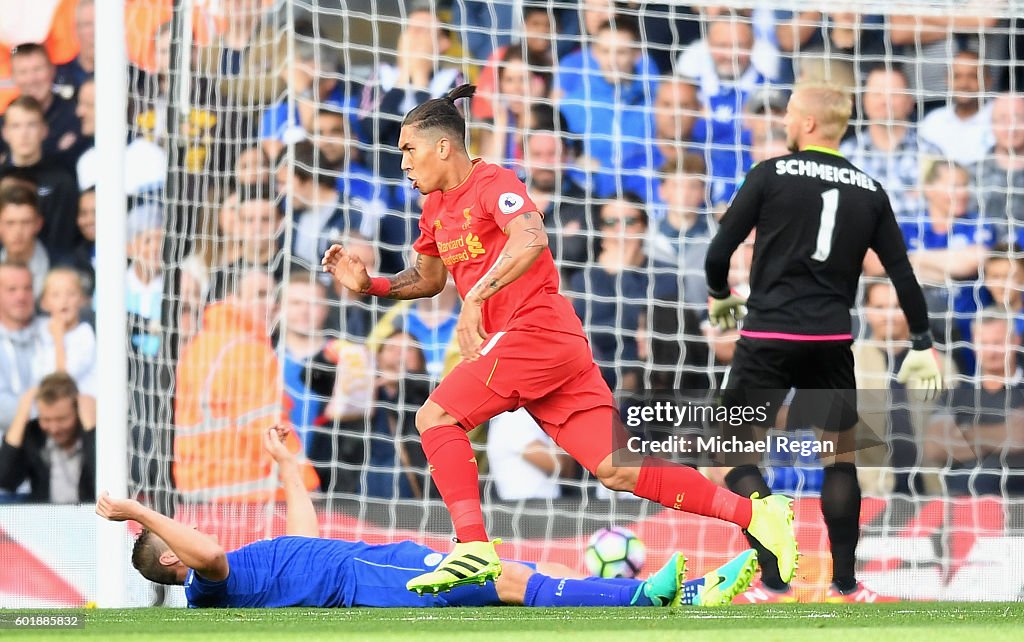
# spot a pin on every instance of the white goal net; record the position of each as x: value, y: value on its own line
x: 632, y: 124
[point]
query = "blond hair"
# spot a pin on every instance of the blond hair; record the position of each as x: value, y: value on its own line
x: 830, y: 104
x: 62, y: 270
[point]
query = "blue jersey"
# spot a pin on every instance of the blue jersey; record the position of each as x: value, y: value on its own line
x: 307, y: 406
x: 963, y: 232
x: 316, y: 572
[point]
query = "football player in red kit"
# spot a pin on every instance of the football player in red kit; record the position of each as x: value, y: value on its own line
x: 522, y: 346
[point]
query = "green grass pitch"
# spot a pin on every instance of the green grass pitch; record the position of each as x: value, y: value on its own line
x: 904, y: 622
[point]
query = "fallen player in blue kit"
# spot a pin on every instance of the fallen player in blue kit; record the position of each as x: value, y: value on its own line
x: 303, y: 569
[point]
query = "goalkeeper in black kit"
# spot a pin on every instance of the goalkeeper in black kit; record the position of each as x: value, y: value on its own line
x: 815, y: 215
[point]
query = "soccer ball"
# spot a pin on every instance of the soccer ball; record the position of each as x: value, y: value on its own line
x: 615, y: 552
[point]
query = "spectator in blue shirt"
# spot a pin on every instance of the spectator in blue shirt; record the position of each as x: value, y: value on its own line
x: 946, y: 247
x: 608, y: 102
x: 331, y: 133
x: 727, y: 66
x: 676, y: 111
x: 323, y: 215
x: 382, y: 207
x: 431, y: 322
x: 485, y: 26
x: 581, y: 26
x: 315, y: 79
x: 145, y: 277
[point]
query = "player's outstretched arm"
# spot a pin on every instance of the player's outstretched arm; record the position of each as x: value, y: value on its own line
x: 196, y: 550
x: 424, y: 279
x: 527, y: 239
x: 300, y: 517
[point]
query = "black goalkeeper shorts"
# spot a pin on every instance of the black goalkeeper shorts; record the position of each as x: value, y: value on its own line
x: 764, y: 371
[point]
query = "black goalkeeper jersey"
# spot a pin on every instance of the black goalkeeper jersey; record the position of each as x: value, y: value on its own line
x: 815, y: 216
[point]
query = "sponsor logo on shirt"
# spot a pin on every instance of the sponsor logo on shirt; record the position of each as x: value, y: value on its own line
x: 510, y: 202
x: 724, y: 114
x: 476, y: 248
x: 460, y: 248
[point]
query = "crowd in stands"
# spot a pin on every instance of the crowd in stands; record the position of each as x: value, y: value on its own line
x: 632, y: 126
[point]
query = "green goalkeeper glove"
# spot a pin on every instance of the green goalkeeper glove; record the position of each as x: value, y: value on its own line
x: 920, y: 371
x: 725, y: 313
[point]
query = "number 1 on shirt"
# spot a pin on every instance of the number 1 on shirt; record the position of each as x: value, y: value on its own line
x: 827, y: 223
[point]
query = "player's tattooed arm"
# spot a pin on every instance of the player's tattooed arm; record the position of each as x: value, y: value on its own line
x: 425, y: 278
x: 527, y: 239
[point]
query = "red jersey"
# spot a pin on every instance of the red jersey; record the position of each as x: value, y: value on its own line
x: 464, y: 227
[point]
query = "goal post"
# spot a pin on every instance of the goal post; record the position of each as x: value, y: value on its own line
x: 112, y: 445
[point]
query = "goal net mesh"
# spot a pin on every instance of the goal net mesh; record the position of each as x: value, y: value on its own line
x: 632, y: 125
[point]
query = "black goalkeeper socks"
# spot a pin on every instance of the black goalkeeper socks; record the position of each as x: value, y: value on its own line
x: 840, y: 506
x: 747, y: 480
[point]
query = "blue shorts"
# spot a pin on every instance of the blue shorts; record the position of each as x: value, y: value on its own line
x: 381, y: 573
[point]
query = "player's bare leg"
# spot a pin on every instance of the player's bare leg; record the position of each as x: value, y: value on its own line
x: 511, y: 586
x: 473, y: 560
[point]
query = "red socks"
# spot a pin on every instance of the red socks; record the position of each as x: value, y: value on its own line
x: 453, y: 467
x: 684, y: 488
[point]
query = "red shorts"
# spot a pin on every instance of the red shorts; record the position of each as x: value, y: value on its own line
x: 552, y: 374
